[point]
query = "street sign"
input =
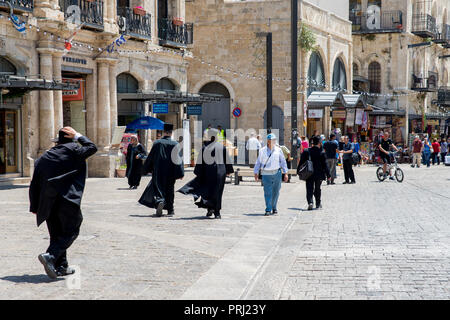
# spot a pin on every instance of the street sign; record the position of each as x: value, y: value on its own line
x: 237, y: 112
x: 194, y: 110
x: 161, y: 107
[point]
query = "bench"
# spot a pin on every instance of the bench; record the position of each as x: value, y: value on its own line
x: 239, y: 174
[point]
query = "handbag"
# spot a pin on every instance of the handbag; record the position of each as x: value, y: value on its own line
x: 260, y: 170
x: 355, y: 158
x: 306, y: 170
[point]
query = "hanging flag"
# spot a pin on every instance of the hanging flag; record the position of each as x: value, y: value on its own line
x: 68, y: 42
x: 20, y: 26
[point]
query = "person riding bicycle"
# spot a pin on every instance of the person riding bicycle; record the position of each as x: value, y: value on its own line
x: 384, y: 147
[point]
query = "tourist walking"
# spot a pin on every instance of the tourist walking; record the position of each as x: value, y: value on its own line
x: 417, y: 147
x: 320, y: 173
x: 253, y: 146
x: 135, y: 155
x: 436, y: 152
x: 55, y: 195
x: 212, y: 167
x: 166, y: 166
x: 444, y: 148
x: 331, y: 148
x: 426, y: 152
x: 272, y: 164
x: 346, y: 153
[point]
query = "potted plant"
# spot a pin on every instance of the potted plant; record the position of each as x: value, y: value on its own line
x: 139, y: 10
x: 121, y: 171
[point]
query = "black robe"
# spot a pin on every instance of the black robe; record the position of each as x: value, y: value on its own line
x: 60, y: 172
x: 134, y: 166
x: 164, y: 173
x: 210, y: 181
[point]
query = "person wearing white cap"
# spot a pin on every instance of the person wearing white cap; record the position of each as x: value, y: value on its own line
x: 272, y: 163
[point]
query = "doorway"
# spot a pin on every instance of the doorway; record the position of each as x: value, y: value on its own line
x: 8, y: 141
x: 216, y: 113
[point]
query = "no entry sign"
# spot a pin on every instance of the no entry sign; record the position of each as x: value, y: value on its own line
x: 237, y: 112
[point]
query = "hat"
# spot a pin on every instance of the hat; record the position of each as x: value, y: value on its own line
x: 168, y: 127
x: 271, y: 136
x: 62, y: 138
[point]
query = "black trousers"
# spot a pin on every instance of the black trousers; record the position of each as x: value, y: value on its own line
x: 313, y: 188
x: 170, y: 196
x: 348, y: 170
x: 63, y: 226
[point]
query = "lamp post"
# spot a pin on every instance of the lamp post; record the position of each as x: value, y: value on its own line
x: 294, y: 54
x: 268, y: 36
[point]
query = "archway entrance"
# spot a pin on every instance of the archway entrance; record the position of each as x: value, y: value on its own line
x: 216, y: 113
x: 9, y: 123
x: 127, y: 111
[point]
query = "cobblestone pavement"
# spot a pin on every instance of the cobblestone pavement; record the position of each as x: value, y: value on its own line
x: 370, y: 240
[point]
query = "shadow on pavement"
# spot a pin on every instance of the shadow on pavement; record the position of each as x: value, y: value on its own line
x: 26, y: 278
x: 254, y: 214
x: 299, y: 209
x: 145, y: 216
x: 196, y: 218
x: 13, y: 187
x: 125, y: 189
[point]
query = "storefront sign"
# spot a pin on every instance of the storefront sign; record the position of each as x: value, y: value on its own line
x: 74, y: 60
x: 73, y: 95
x: 315, y: 113
x: 194, y: 110
x: 350, y: 119
x: 338, y: 114
x: 161, y: 107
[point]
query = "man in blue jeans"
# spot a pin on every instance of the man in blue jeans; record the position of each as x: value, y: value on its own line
x: 272, y: 163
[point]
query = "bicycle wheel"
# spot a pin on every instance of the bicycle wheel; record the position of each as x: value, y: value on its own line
x: 399, y: 175
x: 380, y: 174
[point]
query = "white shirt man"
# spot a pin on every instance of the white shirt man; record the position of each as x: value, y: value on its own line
x: 253, y: 145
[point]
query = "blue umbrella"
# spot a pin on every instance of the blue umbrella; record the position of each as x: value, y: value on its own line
x: 146, y: 123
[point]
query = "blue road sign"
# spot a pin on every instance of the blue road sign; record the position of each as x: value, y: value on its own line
x: 194, y: 110
x: 237, y: 112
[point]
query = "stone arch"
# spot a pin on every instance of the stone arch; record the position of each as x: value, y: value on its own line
x: 168, y: 81
x: 127, y: 83
x: 318, y: 50
x: 214, y: 78
x: 316, y: 66
x: 375, y: 77
x: 341, y: 57
x: 128, y: 68
x: 19, y: 65
x: 218, y: 112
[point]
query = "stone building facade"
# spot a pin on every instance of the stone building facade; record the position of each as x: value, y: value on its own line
x: 398, y: 57
x: 229, y: 58
x: 150, y: 54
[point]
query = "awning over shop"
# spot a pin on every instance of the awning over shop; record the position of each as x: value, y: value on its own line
x: 378, y: 111
x: 430, y: 116
x: 321, y: 99
x: 355, y: 101
x: 170, y: 96
x: 28, y: 83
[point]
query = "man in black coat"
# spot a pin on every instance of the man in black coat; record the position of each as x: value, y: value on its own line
x: 321, y: 172
x: 55, y: 196
x: 211, y: 169
x: 135, y: 154
x: 166, y: 166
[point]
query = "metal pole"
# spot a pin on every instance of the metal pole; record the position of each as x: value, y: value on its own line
x: 269, y: 81
x: 294, y: 53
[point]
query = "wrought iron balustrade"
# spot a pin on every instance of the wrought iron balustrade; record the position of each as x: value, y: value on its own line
x: 386, y: 21
x: 443, y: 97
x: 91, y: 12
x: 428, y: 84
x: 176, y: 35
x: 424, y: 25
x: 135, y: 25
x: 18, y: 5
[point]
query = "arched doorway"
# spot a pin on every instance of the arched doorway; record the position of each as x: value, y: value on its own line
x: 9, y: 122
x: 277, y: 122
x: 127, y: 111
x: 216, y: 113
x: 375, y: 77
x: 339, y: 76
x: 316, y: 74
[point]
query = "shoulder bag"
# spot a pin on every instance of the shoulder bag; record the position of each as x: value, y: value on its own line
x: 306, y: 170
x: 260, y: 170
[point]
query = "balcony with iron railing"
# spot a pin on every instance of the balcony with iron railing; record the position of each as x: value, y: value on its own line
x: 443, y: 96
x: 91, y: 12
x: 443, y: 37
x: 135, y: 25
x: 424, y: 25
x: 422, y: 84
x: 175, y: 33
x: 18, y: 5
x: 386, y: 21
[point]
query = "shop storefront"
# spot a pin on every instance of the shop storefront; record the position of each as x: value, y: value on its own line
x: 392, y: 122
x: 10, y: 136
x: 74, y: 105
x: 320, y: 116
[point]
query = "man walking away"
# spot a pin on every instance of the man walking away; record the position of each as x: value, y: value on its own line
x: 272, y: 163
x: 331, y: 148
x: 135, y: 154
x: 417, y: 152
x: 321, y: 172
x: 55, y: 195
x: 253, y: 146
x: 166, y: 166
x: 213, y: 165
x: 347, y: 151
x: 436, y: 152
x: 444, y: 149
x: 426, y: 152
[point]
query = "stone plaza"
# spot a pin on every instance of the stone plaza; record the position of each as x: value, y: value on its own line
x: 371, y: 240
